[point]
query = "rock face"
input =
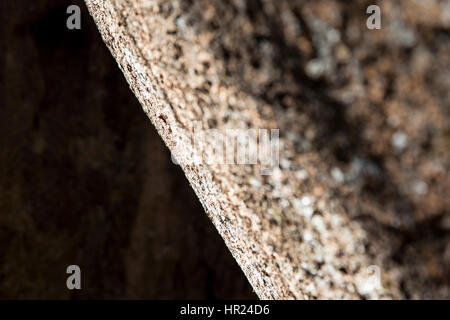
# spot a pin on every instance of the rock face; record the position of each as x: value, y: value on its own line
x: 359, y: 206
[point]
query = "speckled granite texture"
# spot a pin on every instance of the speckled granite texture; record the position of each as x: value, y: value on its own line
x: 364, y: 127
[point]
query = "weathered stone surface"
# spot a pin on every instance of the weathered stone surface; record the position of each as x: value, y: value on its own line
x: 364, y: 124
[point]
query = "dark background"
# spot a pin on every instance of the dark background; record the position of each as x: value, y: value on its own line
x: 86, y: 180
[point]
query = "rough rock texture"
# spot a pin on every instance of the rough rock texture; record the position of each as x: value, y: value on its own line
x: 85, y: 179
x: 364, y: 127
